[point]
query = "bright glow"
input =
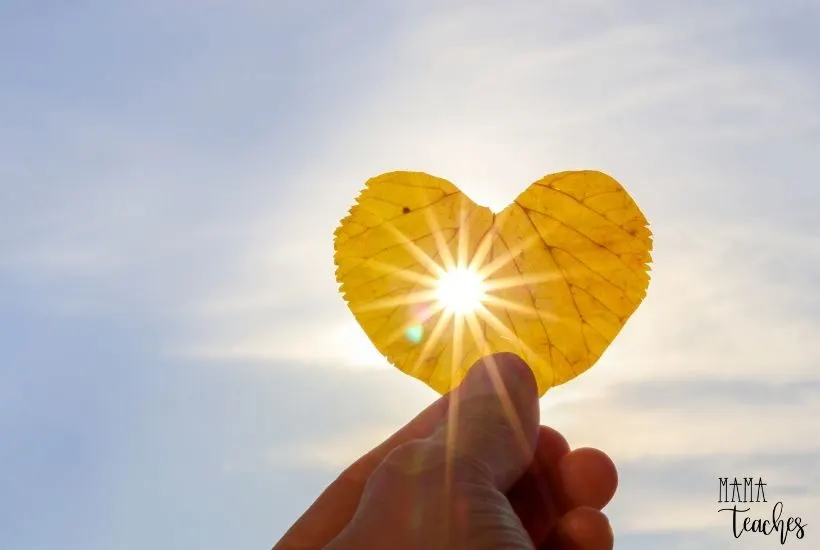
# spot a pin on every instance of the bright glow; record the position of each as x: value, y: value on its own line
x: 414, y: 333
x: 460, y: 291
x: 360, y: 351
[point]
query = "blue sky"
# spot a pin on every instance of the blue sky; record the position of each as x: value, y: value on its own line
x: 177, y: 367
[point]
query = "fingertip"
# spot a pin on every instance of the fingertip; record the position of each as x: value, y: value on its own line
x: 588, y: 477
x: 583, y: 528
x: 551, y: 447
x: 495, y: 416
x: 516, y: 373
x: 502, y: 385
x: 501, y: 372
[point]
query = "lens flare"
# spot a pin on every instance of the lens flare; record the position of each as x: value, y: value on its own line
x: 415, y: 333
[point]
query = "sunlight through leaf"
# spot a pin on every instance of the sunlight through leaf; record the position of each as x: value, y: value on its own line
x: 437, y: 281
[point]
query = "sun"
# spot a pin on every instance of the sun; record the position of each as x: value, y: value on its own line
x: 460, y: 290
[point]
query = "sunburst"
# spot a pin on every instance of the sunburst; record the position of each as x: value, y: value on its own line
x: 454, y: 295
x: 457, y: 290
x: 461, y: 291
x: 438, y: 282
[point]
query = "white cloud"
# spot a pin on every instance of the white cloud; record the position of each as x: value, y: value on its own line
x: 233, y: 251
x: 493, y: 101
x: 332, y: 454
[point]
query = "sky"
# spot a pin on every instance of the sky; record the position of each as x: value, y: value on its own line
x: 177, y: 368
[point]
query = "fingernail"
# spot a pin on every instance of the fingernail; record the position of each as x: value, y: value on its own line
x: 505, y: 369
x: 478, y: 380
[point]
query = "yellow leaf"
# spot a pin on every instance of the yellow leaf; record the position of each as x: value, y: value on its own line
x: 437, y: 281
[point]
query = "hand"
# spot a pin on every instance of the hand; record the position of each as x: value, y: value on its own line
x: 473, y: 471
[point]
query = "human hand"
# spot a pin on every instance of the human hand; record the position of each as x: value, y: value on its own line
x: 473, y: 471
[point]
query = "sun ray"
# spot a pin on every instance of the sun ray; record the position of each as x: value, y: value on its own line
x: 520, y: 280
x: 463, y: 239
x: 504, y: 331
x: 442, y: 246
x: 452, y: 413
x: 417, y: 297
x: 416, y: 251
x: 501, y: 389
x: 478, y: 337
x: 487, y: 270
x: 406, y: 274
x: 524, y: 309
x: 458, y: 343
x: 482, y: 250
x: 431, y: 310
x: 435, y: 336
x: 451, y: 440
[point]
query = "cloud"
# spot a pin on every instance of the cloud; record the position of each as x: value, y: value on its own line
x: 193, y: 186
x: 492, y: 101
x: 720, y: 360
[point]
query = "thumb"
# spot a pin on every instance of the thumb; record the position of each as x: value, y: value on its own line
x: 493, y: 419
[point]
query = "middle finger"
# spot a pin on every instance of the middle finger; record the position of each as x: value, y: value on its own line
x: 560, y: 480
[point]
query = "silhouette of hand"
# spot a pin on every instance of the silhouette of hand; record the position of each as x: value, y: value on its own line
x: 473, y: 471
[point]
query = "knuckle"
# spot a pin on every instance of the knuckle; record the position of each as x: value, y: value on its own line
x: 412, y: 459
x: 488, y: 424
x: 466, y: 467
x: 415, y: 456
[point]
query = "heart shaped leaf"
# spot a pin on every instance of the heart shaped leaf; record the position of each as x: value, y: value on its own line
x: 437, y: 281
